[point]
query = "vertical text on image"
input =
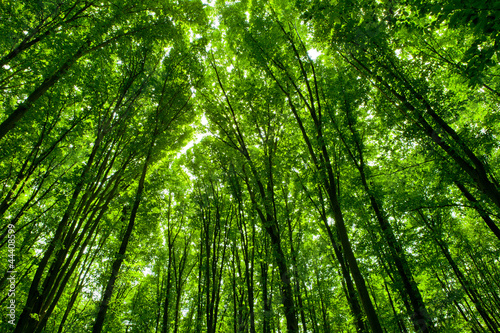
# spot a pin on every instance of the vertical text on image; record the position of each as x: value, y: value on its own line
x: 11, y: 307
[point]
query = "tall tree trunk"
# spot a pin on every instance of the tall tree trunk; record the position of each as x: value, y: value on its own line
x: 312, y: 312
x: 26, y: 322
x: 401, y: 323
x: 23, y: 108
x: 249, y: 269
x: 477, y: 206
x: 88, y: 232
x: 422, y: 322
x: 457, y: 306
x: 321, y: 159
x: 79, y: 283
x: 266, y: 300
x: 349, y: 290
x: 115, y: 269
x: 179, y: 282
x: 266, y: 214
x: 436, y: 129
x: 295, y: 271
x: 63, y: 266
x: 324, y: 314
x: 466, y: 285
x: 170, y: 243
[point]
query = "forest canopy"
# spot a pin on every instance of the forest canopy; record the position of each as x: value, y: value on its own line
x: 249, y: 166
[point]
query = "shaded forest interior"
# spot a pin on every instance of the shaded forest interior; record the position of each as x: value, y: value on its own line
x: 249, y: 166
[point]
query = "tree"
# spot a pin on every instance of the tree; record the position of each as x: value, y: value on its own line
x: 249, y: 166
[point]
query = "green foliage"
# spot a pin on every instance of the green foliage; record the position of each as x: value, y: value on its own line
x: 256, y: 151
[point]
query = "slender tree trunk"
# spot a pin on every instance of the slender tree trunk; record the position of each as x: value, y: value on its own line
x: 323, y: 165
x: 267, y: 215
x: 324, y: 314
x: 249, y: 276
x: 170, y: 243
x: 25, y: 319
x: 199, y: 303
x: 79, y: 284
x: 312, y: 312
x: 179, y: 283
x: 266, y: 300
x: 467, y: 285
x: 31, y: 40
x: 477, y: 206
x: 442, y: 134
x: 235, y: 296
x: 88, y: 233
x: 422, y: 322
x: 471, y: 291
x: 457, y: 306
x: 23, y: 108
x: 401, y: 324
x: 63, y: 266
x: 346, y: 246
x: 103, y: 308
x: 349, y: 290
x: 294, y: 266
